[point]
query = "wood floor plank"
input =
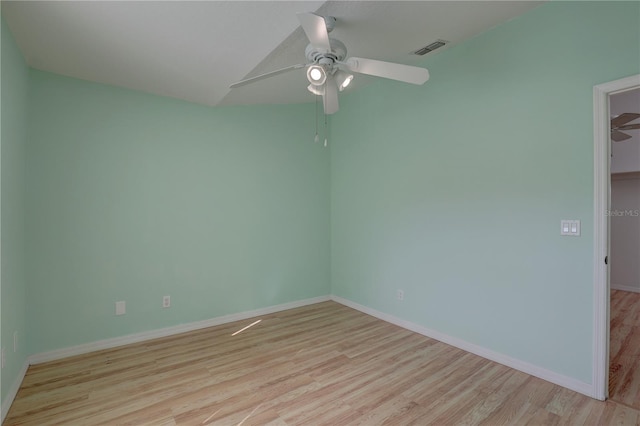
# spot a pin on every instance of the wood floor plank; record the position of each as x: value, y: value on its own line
x: 624, y: 348
x: 315, y: 365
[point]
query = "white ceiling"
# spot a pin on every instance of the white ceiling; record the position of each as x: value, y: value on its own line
x: 193, y: 50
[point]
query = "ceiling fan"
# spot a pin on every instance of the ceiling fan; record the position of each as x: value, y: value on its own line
x: 620, y: 123
x: 328, y: 69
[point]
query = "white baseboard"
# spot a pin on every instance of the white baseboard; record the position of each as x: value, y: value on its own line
x: 169, y: 331
x: 634, y: 289
x: 525, y: 367
x: 13, y: 391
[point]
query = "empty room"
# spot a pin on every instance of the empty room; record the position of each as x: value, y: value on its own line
x: 310, y: 212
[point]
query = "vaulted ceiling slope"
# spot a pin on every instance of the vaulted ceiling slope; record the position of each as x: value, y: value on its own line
x: 195, y: 50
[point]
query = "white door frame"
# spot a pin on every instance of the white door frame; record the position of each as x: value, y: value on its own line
x: 602, y: 202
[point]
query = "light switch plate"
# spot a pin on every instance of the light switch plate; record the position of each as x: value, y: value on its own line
x: 570, y: 227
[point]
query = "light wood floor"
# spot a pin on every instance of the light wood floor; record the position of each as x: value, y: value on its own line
x: 624, y: 348
x: 320, y: 364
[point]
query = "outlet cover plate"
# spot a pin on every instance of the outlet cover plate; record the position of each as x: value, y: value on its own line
x: 121, y: 307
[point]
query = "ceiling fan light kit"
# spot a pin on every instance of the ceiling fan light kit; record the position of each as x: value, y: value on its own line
x: 329, y: 70
x: 315, y: 90
x: 343, y: 79
x: 316, y: 75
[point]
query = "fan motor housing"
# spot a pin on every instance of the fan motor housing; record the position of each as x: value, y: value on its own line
x: 317, y: 56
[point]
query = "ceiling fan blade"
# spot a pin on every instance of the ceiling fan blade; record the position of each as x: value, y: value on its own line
x: 315, y: 28
x: 624, y: 118
x: 629, y: 127
x: 330, y: 96
x: 267, y: 75
x: 400, y: 72
x: 617, y: 136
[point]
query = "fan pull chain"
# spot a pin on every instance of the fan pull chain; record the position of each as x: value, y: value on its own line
x: 325, y: 130
x: 316, y: 138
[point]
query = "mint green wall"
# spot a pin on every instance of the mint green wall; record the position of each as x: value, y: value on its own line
x: 133, y: 196
x: 15, y: 77
x: 454, y: 191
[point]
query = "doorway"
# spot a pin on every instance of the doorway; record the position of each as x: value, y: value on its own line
x: 624, y: 249
x: 602, y: 206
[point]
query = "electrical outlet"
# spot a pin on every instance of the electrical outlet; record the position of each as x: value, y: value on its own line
x: 3, y: 358
x: 121, y: 307
x: 166, y: 302
x: 400, y: 295
x: 15, y: 341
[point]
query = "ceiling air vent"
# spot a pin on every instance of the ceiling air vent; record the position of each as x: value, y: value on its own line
x: 430, y: 48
